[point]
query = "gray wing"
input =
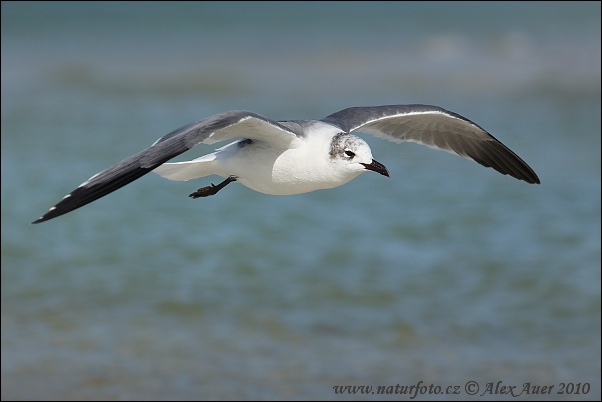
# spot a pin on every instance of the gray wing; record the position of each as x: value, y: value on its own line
x: 220, y: 127
x: 436, y: 128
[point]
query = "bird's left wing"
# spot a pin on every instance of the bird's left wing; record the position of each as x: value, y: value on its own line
x: 220, y: 127
x: 436, y: 128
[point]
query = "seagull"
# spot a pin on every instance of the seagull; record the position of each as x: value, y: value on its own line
x: 298, y: 156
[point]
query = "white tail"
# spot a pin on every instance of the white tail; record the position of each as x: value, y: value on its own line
x: 182, y: 171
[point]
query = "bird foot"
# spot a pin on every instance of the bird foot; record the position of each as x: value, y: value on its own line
x: 212, y: 189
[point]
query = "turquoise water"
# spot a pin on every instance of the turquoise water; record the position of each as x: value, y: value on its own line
x: 445, y: 273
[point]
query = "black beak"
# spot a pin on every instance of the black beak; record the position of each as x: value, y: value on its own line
x: 377, y: 167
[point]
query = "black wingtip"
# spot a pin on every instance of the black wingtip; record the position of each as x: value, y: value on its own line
x: 40, y: 219
x: 43, y: 219
x: 528, y: 174
x: 52, y: 213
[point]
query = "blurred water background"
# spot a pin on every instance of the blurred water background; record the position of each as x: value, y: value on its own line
x: 445, y: 273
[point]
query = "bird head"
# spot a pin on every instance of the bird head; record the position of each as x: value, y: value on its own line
x: 353, y: 155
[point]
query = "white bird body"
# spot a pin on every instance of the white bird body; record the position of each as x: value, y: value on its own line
x: 304, y: 167
x: 298, y: 156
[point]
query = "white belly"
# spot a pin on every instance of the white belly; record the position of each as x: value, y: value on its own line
x: 277, y: 172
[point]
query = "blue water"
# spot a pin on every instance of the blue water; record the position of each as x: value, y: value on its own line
x: 445, y: 273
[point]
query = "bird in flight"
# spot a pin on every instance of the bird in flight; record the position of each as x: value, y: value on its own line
x: 298, y: 156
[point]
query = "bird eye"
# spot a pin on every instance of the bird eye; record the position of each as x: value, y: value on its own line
x: 349, y: 154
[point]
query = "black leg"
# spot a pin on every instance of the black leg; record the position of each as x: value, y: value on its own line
x: 212, y: 189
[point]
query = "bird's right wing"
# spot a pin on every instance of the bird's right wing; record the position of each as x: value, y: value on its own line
x: 220, y: 127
